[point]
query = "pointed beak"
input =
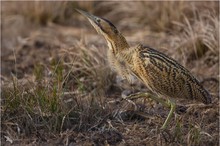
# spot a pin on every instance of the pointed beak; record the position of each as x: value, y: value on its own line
x: 94, y: 20
x: 88, y: 15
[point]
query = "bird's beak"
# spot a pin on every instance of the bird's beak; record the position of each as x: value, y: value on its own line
x: 88, y: 15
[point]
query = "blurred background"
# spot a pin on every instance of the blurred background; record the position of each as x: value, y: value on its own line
x: 54, y: 70
x: 176, y: 26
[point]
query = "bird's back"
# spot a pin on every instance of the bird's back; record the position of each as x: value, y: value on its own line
x: 166, y: 77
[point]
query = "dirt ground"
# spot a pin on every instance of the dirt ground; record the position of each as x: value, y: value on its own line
x: 57, y: 87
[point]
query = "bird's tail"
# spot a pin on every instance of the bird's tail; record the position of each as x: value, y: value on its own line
x: 204, y: 95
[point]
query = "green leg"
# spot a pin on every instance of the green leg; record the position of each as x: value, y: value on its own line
x: 168, y: 104
x: 172, y: 109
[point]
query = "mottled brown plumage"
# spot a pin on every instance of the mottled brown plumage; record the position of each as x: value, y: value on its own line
x: 163, y: 75
x: 160, y: 73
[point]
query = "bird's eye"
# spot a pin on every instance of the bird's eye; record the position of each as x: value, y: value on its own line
x: 98, y: 20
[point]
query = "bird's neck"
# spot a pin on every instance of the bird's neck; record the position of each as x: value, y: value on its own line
x: 120, y: 49
x: 117, y: 44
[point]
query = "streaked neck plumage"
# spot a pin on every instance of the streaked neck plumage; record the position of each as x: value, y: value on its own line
x: 117, y: 44
x: 120, y: 49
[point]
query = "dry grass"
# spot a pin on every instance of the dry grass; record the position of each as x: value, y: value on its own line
x: 200, y: 36
x: 40, y: 12
x: 58, y: 89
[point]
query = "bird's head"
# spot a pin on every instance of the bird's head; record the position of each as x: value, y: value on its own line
x: 102, y: 26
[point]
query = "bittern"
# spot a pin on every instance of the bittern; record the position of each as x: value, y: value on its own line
x: 161, y: 74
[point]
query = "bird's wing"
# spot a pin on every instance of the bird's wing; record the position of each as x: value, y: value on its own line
x: 163, y: 74
x: 170, y: 78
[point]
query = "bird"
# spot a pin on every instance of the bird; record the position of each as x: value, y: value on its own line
x: 160, y: 73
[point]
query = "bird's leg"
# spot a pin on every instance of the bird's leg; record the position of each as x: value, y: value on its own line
x: 172, y: 106
x: 169, y: 104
